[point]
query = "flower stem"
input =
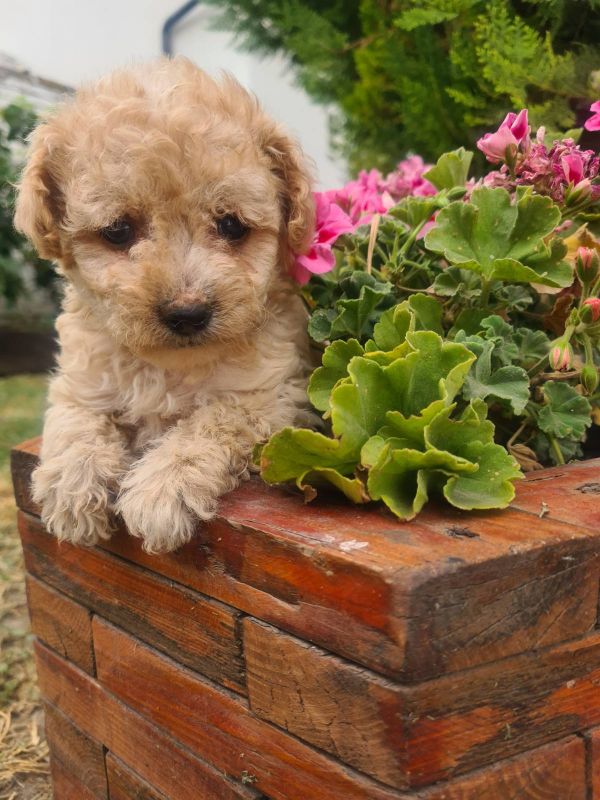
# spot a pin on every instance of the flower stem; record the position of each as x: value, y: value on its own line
x: 556, y: 448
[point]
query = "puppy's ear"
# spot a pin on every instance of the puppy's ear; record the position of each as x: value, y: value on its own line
x: 289, y: 164
x: 38, y: 199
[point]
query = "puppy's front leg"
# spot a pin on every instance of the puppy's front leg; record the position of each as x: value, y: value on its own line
x: 83, y: 457
x: 180, y: 479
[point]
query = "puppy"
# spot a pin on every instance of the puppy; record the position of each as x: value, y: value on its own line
x: 171, y: 204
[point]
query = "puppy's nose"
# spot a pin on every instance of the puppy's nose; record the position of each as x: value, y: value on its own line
x: 187, y: 320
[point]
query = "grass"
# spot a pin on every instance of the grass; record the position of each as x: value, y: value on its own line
x: 23, y: 750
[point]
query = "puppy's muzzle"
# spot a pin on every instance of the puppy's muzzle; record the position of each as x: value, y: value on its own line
x: 187, y: 320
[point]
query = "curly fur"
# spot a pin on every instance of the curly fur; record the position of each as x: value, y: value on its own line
x: 140, y: 422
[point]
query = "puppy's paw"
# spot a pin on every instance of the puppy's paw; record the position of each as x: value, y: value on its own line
x: 75, y: 508
x: 162, y: 508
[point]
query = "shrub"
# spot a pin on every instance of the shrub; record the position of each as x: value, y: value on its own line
x: 425, y: 77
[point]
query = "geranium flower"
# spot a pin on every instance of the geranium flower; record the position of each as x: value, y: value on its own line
x: 564, y: 172
x: 593, y: 123
x: 362, y: 198
x: 505, y: 142
x: 407, y: 179
x: 331, y: 223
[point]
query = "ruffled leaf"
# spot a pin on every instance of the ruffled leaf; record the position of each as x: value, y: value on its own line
x: 500, y: 240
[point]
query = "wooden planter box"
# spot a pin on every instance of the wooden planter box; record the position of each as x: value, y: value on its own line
x: 323, y: 652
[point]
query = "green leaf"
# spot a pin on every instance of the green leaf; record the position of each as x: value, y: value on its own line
x: 532, y: 346
x: 358, y: 408
x: 566, y: 414
x: 355, y: 316
x: 292, y: 452
x: 409, y: 431
x: 451, y: 169
x: 472, y: 438
x: 427, y: 313
x: 456, y: 281
x: 414, y: 211
x: 500, y: 240
x: 434, y: 371
x: 319, y: 325
x: 401, y: 478
x: 507, y: 383
x: 490, y: 486
x: 391, y: 329
x: 335, y: 368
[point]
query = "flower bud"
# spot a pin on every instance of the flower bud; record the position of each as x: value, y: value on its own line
x: 561, y: 355
x: 587, y: 264
x: 590, y: 310
x: 589, y: 378
x: 578, y: 193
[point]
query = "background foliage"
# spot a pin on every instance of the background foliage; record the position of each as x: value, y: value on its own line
x: 16, y: 122
x: 426, y: 76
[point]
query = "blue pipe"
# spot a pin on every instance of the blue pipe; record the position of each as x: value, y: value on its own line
x: 167, y: 29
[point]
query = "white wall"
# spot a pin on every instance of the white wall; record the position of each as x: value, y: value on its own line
x: 70, y: 41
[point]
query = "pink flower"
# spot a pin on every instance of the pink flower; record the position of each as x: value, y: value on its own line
x: 331, y: 223
x: 561, y: 355
x: 593, y: 123
x: 505, y: 142
x: 573, y: 167
x: 594, y: 304
x: 407, y: 179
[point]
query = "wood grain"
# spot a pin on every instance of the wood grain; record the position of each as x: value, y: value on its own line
x: 124, y: 784
x: 593, y: 753
x: 416, y: 735
x: 62, y: 624
x: 81, y: 757
x: 66, y: 785
x: 23, y: 460
x: 222, y: 728
x: 159, y: 760
x: 409, y: 600
x: 554, y: 772
x: 198, y: 631
x: 459, y: 723
x: 352, y: 714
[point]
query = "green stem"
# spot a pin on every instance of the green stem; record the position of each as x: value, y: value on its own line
x: 556, y: 448
x: 589, y: 349
x: 411, y: 239
x: 485, y: 293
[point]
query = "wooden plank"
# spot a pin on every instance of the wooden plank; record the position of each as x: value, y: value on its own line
x: 593, y: 753
x: 220, y: 727
x: 23, y: 460
x: 416, y: 735
x: 82, y: 757
x: 62, y: 624
x: 569, y: 493
x: 554, y: 772
x: 459, y: 723
x: 352, y: 714
x: 156, y: 757
x: 200, y: 632
x: 65, y: 785
x: 124, y: 784
x: 413, y: 600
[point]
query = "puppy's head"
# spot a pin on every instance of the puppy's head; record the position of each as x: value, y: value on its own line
x: 172, y: 203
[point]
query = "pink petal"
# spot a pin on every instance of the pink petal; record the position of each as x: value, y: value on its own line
x: 318, y: 260
x: 572, y: 165
x: 495, y: 145
x: 593, y: 123
x: 520, y: 126
x: 595, y: 106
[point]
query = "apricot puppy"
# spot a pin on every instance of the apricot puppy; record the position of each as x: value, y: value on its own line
x: 171, y: 205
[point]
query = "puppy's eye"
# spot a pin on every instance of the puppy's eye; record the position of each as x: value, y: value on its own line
x: 120, y: 233
x: 230, y: 227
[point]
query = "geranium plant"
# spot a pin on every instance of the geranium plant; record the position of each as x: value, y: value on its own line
x: 459, y: 321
